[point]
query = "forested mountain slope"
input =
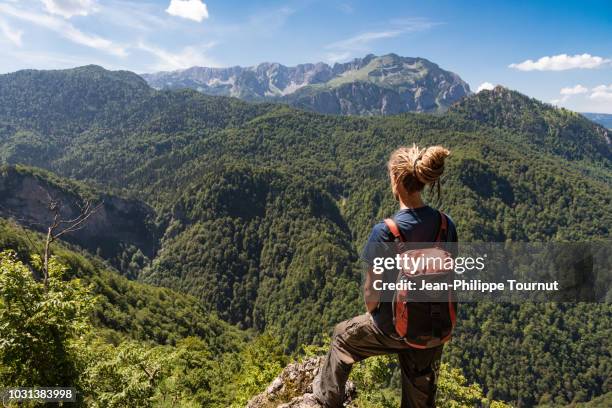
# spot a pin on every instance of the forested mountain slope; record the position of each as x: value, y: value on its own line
x: 127, y: 309
x: 262, y: 209
x: 139, y: 346
x: 557, y: 131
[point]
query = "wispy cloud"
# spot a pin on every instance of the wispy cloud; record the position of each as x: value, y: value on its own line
x: 133, y: 15
x: 562, y: 62
x: 190, y: 9
x: 11, y: 34
x: 70, y: 8
x: 362, y: 42
x: 64, y: 29
x: 188, y: 57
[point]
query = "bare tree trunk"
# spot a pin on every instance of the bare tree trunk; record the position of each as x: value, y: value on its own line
x: 60, y: 227
x: 47, y: 255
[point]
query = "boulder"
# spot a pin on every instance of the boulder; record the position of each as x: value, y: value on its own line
x: 293, y: 387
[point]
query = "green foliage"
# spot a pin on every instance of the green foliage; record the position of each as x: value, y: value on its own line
x: 47, y: 340
x: 39, y: 324
x: 78, y: 97
x: 372, y: 378
x: 139, y: 375
x: 455, y: 392
x: 260, y: 362
x: 568, y: 356
x: 602, y: 401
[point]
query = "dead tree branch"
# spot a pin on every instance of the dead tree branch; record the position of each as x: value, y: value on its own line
x: 60, y: 227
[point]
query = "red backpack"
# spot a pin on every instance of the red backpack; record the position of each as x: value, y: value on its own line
x: 422, y: 324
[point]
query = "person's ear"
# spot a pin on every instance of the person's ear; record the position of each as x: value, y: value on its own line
x: 393, y: 186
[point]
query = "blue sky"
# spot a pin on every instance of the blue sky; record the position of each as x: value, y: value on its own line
x: 556, y: 51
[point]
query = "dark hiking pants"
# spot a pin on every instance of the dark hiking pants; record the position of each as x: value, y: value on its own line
x: 358, y: 338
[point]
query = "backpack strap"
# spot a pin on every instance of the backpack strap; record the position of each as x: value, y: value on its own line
x: 443, y: 230
x: 392, y: 225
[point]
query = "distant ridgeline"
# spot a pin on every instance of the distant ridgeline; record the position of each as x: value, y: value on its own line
x: 373, y: 85
x: 258, y: 211
x: 604, y: 119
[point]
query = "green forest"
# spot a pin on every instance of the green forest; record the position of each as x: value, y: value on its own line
x: 252, y: 217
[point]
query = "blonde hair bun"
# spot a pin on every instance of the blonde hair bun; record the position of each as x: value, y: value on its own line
x: 426, y: 165
x: 430, y: 166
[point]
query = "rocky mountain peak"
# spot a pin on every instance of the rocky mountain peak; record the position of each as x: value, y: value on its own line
x: 372, y: 85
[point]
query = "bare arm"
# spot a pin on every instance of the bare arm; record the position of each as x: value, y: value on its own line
x: 371, y: 295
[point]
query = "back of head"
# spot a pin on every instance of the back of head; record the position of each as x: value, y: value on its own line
x: 414, y: 168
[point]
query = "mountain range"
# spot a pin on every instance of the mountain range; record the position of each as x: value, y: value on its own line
x: 256, y: 212
x: 604, y: 119
x: 373, y: 85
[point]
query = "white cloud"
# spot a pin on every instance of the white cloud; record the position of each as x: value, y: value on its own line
x: 70, y: 8
x: 190, y: 9
x: 602, y: 93
x: 569, y: 91
x: 332, y: 57
x: 574, y: 90
x: 65, y: 29
x: 602, y: 88
x: 11, y: 34
x: 187, y: 57
x: 562, y: 62
x: 582, y: 99
x: 485, y: 86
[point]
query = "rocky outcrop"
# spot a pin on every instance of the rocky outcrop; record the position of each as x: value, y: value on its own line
x: 293, y: 387
x: 373, y: 85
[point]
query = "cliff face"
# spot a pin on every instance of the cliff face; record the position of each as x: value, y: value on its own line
x: 119, y: 225
x: 373, y: 85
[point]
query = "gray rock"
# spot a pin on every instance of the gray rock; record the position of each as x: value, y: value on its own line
x: 293, y: 387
